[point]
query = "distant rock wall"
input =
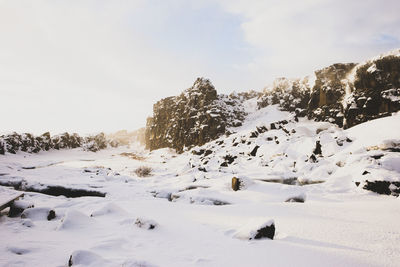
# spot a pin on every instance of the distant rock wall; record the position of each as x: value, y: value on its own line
x: 195, y: 117
x: 12, y: 143
x: 345, y: 94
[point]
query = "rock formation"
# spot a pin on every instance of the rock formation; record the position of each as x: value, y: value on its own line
x: 195, y: 117
x: 14, y: 142
x: 344, y: 94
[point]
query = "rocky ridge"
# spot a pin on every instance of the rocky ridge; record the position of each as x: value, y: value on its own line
x: 344, y: 94
x: 195, y: 117
x: 26, y: 142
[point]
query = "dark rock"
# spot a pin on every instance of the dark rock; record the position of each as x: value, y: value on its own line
x: 18, y: 206
x: 317, y: 149
x: 300, y: 199
x: 52, y: 190
x: 365, y: 172
x: 254, y: 134
x: 208, y: 152
x: 199, y: 152
x: 378, y: 156
x: 313, y: 158
x: 383, y: 187
x: 70, y: 263
x: 193, y: 118
x: 146, y: 224
x: 52, y: 215
x: 375, y: 92
x: 202, y: 169
x: 254, y: 151
x: 272, y: 126
x: 230, y: 159
x: 262, y: 129
x: 267, y: 231
x: 357, y: 183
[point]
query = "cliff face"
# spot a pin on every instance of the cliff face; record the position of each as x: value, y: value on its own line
x: 345, y: 94
x: 14, y: 142
x: 375, y: 90
x: 195, y: 117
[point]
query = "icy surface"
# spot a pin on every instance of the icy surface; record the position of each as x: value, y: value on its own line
x: 198, y: 219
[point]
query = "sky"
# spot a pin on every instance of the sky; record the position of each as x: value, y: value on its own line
x: 98, y: 65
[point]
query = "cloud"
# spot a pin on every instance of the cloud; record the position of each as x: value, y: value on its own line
x: 100, y: 65
x: 85, y: 65
x: 295, y: 37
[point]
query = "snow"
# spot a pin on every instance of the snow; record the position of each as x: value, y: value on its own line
x: 198, y: 219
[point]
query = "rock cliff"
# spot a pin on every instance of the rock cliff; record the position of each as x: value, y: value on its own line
x: 195, y: 117
x: 345, y: 94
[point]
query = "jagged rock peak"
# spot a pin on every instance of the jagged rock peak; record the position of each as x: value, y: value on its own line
x: 344, y: 93
x: 196, y: 116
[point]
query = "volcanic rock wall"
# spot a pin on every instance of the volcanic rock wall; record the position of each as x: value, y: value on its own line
x: 345, y: 94
x: 195, y: 117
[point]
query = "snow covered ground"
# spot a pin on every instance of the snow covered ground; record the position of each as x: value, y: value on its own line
x: 183, y: 216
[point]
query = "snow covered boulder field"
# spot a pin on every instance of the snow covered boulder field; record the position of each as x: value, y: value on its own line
x: 305, y: 193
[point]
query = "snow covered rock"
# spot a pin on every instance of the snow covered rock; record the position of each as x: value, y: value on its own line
x: 18, y: 206
x: 74, y: 219
x: 344, y: 94
x: 235, y: 184
x: 195, y: 117
x: 383, y: 187
x: 39, y: 214
x: 86, y: 258
x: 145, y: 224
x: 256, y: 229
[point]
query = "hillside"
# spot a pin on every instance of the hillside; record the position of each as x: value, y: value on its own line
x: 344, y: 94
x: 305, y: 173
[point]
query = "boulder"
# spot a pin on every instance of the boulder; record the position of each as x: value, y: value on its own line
x: 235, y: 184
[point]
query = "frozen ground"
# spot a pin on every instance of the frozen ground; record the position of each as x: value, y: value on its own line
x: 181, y: 216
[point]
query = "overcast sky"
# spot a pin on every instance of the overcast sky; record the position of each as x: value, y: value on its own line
x: 91, y: 66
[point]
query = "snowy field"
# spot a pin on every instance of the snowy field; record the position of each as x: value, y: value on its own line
x: 183, y: 216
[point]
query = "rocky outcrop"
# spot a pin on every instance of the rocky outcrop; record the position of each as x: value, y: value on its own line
x: 290, y: 94
x: 14, y: 142
x: 328, y: 92
x: 344, y: 94
x: 195, y: 117
x: 375, y: 91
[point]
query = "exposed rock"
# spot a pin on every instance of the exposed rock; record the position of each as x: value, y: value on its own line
x: 18, y: 206
x: 26, y: 142
x: 383, y: 187
x: 235, y: 184
x: 254, y: 151
x: 317, y: 150
x: 51, y: 215
x: 38, y: 214
x: 289, y: 94
x: 266, y: 231
x: 299, y: 199
x: 52, y: 190
x: 193, y: 118
x: 344, y: 94
x: 145, y: 224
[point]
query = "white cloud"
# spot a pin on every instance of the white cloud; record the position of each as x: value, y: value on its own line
x: 100, y: 65
x: 295, y: 37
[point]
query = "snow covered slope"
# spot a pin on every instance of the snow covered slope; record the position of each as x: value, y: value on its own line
x: 306, y: 177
